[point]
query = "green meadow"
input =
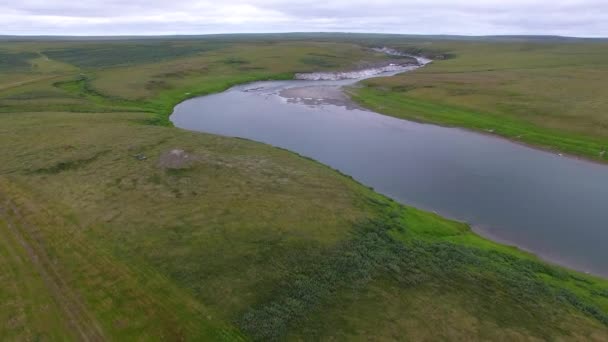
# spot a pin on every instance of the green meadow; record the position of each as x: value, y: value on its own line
x: 543, y: 93
x: 102, y: 239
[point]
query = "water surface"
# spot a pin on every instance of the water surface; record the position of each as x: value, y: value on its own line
x: 554, y: 206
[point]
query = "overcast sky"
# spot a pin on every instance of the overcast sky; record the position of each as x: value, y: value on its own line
x: 588, y: 18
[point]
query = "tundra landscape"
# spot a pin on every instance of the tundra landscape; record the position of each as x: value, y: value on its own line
x: 116, y: 225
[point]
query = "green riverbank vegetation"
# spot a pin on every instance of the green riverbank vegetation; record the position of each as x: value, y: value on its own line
x: 543, y: 93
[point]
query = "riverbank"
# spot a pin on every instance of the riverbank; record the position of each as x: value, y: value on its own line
x: 510, y: 99
x: 315, y: 118
x: 397, y: 105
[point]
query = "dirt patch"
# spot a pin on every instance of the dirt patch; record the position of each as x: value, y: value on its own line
x: 176, y: 159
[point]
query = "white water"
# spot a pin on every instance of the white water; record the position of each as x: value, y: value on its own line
x: 366, y: 73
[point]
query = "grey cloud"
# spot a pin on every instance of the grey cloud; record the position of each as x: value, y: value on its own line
x: 94, y: 17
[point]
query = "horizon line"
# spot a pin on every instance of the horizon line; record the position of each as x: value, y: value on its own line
x: 120, y: 35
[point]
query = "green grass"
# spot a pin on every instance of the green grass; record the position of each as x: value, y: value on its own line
x: 117, y: 54
x: 100, y: 241
x: 543, y: 94
x: 411, y: 108
x: 15, y: 61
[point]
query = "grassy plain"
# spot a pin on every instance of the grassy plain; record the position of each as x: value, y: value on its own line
x: 102, y: 241
x: 548, y: 94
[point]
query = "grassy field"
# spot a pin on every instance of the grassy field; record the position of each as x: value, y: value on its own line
x: 102, y: 239
x: 548, y: 94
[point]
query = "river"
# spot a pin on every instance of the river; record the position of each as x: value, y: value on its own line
x: 551, y: 205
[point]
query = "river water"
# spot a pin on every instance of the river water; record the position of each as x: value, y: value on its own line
x: 553, y: 206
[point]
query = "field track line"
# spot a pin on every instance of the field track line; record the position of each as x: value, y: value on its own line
x: 33, y: 80
x: 79, y: 320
